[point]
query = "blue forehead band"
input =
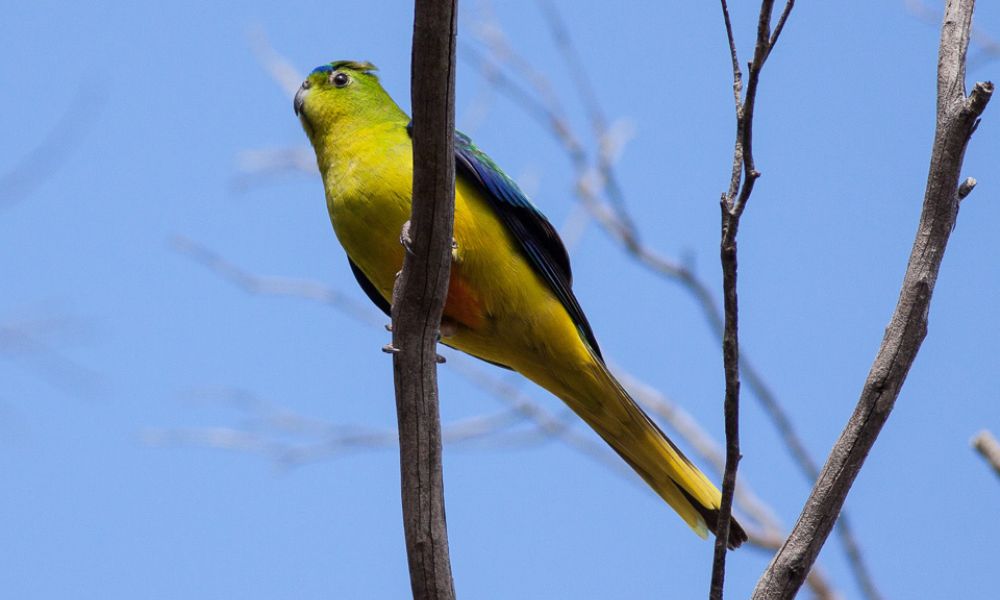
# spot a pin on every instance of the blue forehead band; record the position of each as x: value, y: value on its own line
x: 322, y: 69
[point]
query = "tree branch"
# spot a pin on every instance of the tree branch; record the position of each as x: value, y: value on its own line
x: 59, y: 142
x: 418, y: 298
x: 957, y: 117
x: 989, y: 448
x: 741, y: 183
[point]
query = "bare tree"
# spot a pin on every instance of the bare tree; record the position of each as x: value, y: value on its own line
x: 957, y: 118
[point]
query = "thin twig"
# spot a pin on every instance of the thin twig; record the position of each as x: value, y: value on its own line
x: 59, y: 142
x: 599, y: 123
x: 957, y: 117
x: 291, y: 440
x: 277, y: 66
x: 987, y: 44
x: 274, y: 286
x: 30, y: 342
x: 744, y: 175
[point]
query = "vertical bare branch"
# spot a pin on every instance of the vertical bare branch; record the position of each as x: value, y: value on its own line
x: 418, y: 298
x: 989, y: 448
x: 744, y: 175
x: 957, y: 117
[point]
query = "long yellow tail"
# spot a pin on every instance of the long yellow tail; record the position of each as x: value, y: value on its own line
x: 605, y: 405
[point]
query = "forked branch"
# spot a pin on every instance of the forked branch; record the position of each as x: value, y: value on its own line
x: 957, y: 117
x: 744, y: 175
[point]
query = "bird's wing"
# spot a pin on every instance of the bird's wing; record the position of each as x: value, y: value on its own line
x: 536, y: 238
x: 370, y: 290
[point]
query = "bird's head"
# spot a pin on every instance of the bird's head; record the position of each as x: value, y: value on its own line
x: 340, y: 96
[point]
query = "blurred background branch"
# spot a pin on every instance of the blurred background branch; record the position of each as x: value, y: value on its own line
x: 61, y: 140
x: 289, y: 439
x: 36, y: 342
x: 987, y: 48
x: 989, y: 448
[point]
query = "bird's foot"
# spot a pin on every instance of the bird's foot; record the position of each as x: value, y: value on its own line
x: 404, y: 238
x: 447, y: 329
x: 390, y: 349
x: 406, y: 241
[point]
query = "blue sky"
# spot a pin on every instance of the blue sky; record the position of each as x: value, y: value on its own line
x: 114, y: 337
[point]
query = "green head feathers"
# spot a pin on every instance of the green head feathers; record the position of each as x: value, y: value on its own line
x: 343, y: 95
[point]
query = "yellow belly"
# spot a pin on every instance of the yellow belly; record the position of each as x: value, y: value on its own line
x: 497, y: 307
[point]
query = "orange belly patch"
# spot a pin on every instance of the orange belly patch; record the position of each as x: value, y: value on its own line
x: 463, y: 304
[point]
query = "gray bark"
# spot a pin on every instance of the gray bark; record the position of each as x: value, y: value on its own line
x: 419, y: 295
x: 957, y: 117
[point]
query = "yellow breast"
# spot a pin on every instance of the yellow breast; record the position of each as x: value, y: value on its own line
x: 497, y: 307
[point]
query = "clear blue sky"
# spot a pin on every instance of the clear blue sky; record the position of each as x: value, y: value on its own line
x: 126, y: 336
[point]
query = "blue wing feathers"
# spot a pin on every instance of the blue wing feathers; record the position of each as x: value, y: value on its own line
x: 535, y: 236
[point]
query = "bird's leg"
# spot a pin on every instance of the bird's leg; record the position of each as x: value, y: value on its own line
x: 404, y: 238
x: 389, y: 348
x: 407, y: 242
x: 446, y: 329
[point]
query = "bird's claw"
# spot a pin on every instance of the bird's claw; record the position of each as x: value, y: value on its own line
x: 407, y: 242
x: 404, y: 238
x: 447, y: 329
x: 390, y: 349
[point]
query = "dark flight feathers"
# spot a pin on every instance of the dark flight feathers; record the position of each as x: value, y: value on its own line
x: 535, y: 236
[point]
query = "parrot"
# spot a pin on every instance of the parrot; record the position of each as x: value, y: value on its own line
x: 509, y: 300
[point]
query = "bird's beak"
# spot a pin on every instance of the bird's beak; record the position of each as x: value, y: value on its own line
x: 300, y: 99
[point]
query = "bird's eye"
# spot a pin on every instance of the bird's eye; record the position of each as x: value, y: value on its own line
x: 340, y: 79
